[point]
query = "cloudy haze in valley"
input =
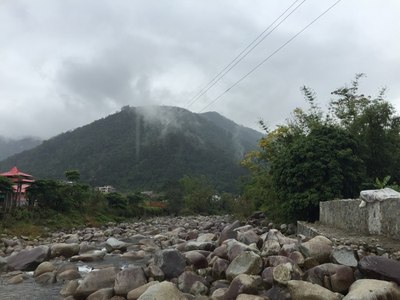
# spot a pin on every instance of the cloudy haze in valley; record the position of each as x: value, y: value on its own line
x: 65, y: 64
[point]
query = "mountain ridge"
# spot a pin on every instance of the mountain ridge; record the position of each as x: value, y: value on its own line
x: 143, y: 148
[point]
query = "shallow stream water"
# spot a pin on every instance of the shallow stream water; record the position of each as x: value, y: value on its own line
x: 30, y: 290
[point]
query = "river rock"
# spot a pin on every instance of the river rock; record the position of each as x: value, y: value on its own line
x: 187, y: 279
x: 278, y: 292
x: 65, y: 250
x: 170, y: 261
x: 206, y: 237
x: 72, y: 238
x: 198, y: 289
x: 69, y: 288
x: 319, y: 248
x: 297, y: 258
x: 378, y: 267
x: 274, y: 260
x: 44, y: 267
x: 243, y: 284
x: 46, y: 278
x: 344, y: 255
x: 194, y: 245
x: 161, y: 291
x: 235, y: 248
x: 129, y: 279
x: 96, y: 280
x: 246, y: 263
x: 113, y: 244
x: 154, y: 272
x: 271, y: 247
x: 219, y: 268
x: 229, y: 232
x: 250, y: 297
x: 102, y: 294
x: 337, y: 278
x: 196, y: 259
x: 303, y: 290
x: 3, y: 264
x: 282, y: 273
x: 136, y: 293
x: 371, y: 289
x: 68, y: 275
x: 249, y: 237
x: 28, y: 260
x: 90, y: 256
x: 17, y: 279
x: 134, y: 255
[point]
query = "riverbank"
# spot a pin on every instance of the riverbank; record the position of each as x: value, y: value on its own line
x: 196, y: 257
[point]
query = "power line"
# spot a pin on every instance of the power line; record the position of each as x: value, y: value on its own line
x: 239, y: 57
x: 271, y: 55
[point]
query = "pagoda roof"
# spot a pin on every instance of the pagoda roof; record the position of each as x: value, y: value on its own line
x: 15, y: 172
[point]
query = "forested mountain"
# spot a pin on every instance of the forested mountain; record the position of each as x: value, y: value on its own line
x: 144, y: 148
x: 9, y: 146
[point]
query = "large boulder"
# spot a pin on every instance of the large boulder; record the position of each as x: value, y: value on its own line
x: 129, y: 279
x: 371, y: 289
x: 318, y: 248
x: 378, y: 267
x: 29, y: 259
x: 113, y: 244
x: 303, y: 290
x: 170, y: 261
x: 96, y: 280
x: 246, y: 263
x: 336, y: 278
x: 161, y: 291
x: 63, y: 249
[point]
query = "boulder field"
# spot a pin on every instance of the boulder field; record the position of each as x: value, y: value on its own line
x: 198, y: 257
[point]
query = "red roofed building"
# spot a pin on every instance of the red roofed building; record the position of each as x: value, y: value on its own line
x: 21, y: 181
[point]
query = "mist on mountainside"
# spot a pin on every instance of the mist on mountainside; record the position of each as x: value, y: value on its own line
x: 10, y: 147
x: 144, y: 148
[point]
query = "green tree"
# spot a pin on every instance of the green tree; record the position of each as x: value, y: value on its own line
x: 373, y: 122
x: 72, y: 175
x: 320, y: 166
x: 173, y: 191
x: 117, y: 201
x: 48, y: 194
x: 197, y: 194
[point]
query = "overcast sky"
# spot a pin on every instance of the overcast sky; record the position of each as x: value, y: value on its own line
x: 64, y: 64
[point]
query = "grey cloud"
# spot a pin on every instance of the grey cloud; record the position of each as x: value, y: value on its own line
x: 68, y: 63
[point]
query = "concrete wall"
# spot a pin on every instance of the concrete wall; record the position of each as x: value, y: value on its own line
x: 375, y: 218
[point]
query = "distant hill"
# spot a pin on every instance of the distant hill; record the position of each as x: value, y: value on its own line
x: 9, y: 146
x: 143, y: 148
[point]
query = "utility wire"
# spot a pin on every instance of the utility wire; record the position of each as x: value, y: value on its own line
x: 271, y: 55
x: 244, y: 52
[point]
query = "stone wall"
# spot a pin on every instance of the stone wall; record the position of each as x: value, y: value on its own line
x: 375, y: 218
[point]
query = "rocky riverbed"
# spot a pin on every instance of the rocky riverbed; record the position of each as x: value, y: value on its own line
x: 197, y: 257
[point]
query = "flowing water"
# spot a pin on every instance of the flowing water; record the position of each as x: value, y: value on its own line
x: 30, y: 290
